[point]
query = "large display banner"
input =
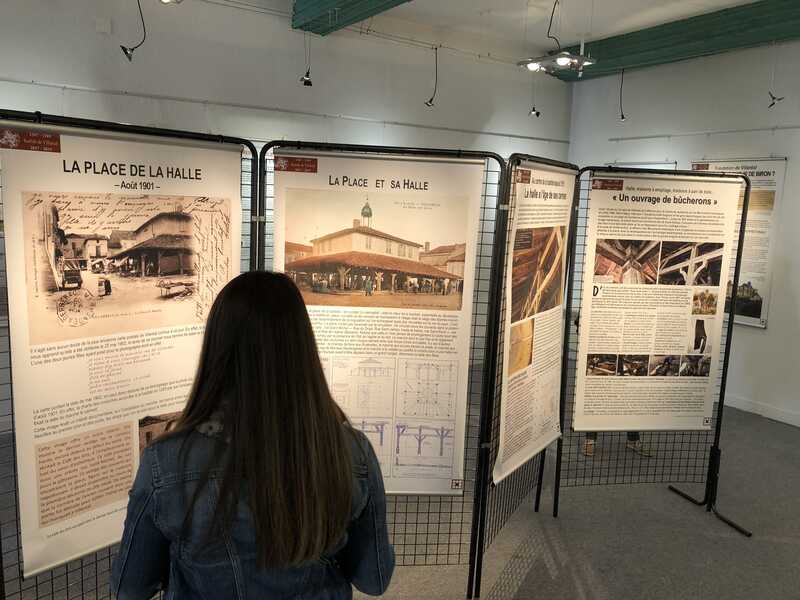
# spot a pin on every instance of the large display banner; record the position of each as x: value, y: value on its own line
x: 383, y: 251
x: 115, y: 251
x: 534, y: 315
x: 767, y: 177
x: 658, y: 251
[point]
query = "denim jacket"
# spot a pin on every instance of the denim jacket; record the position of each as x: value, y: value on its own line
x: 156, y: 555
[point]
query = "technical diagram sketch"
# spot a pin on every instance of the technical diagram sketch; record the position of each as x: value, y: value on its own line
x: 427, y: 388
x: 423, y: 449
x: 364, y: 387
x: 379, y: 433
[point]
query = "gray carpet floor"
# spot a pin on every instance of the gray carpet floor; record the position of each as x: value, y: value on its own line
x: 641, y: 541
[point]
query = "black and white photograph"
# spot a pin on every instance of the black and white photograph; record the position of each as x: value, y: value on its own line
x: 99, y: 259
x: 632, y: 365
x: 376, y: 250
x: 626, y: 261
x: 690, y: 263
x: 700, y: 334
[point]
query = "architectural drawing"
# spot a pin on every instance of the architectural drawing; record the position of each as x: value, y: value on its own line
x: 427, y: 388
x: 422, y: 448
x: 364, y: 387
x: 379, y: 433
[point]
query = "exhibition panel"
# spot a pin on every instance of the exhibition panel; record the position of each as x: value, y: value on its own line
x: 117, y: 240
x: 673, y: 440
x: 528, y: 181
x: 758, y: 255
x: 395, y: 265
x: 541, y: 210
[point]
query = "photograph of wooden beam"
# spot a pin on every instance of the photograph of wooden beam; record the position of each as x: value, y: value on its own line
x: 537, y: 276
x: 626, y: 261
x: 601, y: 365
x: 690, y: 263
x: 634, y: 365
x: 664, y: 365
x: 521, y: 351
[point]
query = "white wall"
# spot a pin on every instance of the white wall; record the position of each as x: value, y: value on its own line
x: 716, y: 94
x: 217, y: 69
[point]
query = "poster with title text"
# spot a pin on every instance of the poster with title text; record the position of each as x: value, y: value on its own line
x: 383, y: 251
x: 115, y: 251
x: 536, y: 264
x: 658, y: 252
x: 767, y: 177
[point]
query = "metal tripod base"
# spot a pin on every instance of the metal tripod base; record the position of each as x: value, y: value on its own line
x: 710, y: 498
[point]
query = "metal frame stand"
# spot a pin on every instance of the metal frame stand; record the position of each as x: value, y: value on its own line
x: 492, y: 359
x: 712, y: 479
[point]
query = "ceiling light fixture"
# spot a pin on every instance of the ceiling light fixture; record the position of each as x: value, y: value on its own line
x: 558, y: 59
x: 430, y: 101
x: 306, y: 79
x: 129, y: 50
x: 171, y: 1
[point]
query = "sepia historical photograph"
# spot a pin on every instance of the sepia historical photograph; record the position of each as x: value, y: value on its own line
x: 151, y: 427
x: 520, y: 353
x: 100, y: 264
x: 690, y: 263
x: 537, y: 274
x: 626, y: 261
x: 704, y: 302
x: 376, y: 250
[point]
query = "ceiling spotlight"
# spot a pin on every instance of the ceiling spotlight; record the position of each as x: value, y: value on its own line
x: 535, y: 113
x: 129, y: 50
x: 553, y: 63
x: 563, y: 59
x: 171, y: 1
x: 306, y: 79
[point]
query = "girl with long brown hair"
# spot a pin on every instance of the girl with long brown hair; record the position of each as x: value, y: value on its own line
x: 262, y: 490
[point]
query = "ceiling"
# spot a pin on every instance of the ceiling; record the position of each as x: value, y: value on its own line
x: 527, y: 20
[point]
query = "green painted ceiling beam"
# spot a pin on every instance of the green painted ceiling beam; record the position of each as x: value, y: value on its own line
x: 326, y: 16
x: 744, y: 26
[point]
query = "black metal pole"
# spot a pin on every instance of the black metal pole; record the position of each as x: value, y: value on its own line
x: 539, y: 478
x: 489, y: 388
x: 572, y: 244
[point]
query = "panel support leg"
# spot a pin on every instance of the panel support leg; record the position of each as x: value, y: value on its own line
x: 710, y: 498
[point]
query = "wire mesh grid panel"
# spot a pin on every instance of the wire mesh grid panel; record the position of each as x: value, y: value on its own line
x: 662, y: 456
x: 505, y: 497
x: 86, y: 577
x: 427, y: 529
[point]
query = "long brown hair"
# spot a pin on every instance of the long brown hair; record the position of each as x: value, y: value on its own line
x: 282, y: 440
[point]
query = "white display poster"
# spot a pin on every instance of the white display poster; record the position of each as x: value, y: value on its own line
x: 534, y: 315
x: 767, y: 176
x: 657, y: 264
x: 383, y: 251
x: 115, y: 250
